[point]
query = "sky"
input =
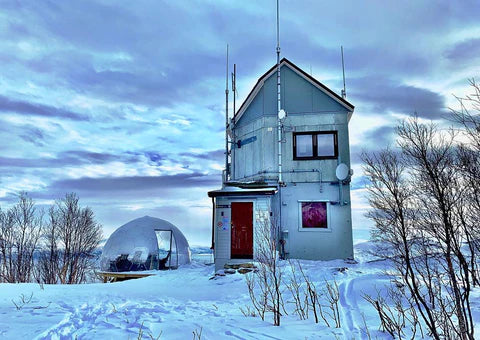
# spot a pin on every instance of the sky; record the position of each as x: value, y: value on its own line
x: 123, y: 102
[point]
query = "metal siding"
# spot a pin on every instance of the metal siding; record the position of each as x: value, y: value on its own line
x: 298, y: 92
x: 222, y: 237
x: 322, y: 102
x: 254, y: 110
x: 262, y: 215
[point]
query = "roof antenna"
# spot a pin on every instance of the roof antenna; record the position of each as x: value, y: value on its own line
x: 279, y: 101
x: 234, y: 86
x: 232, y: 122
x: 344, y: 91
x: 226, y: 123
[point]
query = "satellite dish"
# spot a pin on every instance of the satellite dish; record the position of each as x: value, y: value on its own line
x: 342, y: 171
x: 282, y: 114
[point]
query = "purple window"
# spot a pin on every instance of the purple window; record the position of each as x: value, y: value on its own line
x: 314, y: 215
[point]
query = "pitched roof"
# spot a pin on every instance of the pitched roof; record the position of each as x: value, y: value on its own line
x: 303, y: 74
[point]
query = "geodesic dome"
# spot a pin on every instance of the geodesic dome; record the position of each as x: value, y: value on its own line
x: 145, y: 243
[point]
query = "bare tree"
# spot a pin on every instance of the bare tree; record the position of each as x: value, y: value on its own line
x: 266, y: 283
x: 300, y: 300
x: 431, y: 157
x: 49, y: 261
x: 468, y: 116
x: 72, y: 235
x: 395, y: 314
x: 418, y: 196
x: 394, y: 213
x: 20, y: 231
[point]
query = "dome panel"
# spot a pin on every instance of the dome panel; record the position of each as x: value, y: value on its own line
x: 135, y: 246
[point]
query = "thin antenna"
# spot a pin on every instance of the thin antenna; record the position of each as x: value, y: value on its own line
x: 232, y: 136
x: 344, y: 91
x: 279, y: 103
x: 226, y: 121
x: 234, y: 86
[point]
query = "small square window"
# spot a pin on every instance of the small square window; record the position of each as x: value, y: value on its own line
x: 314, y: 215
x: 315, y: 145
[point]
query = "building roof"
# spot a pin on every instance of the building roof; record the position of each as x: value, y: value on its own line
x: 237, y: 191
x: 302, y: 73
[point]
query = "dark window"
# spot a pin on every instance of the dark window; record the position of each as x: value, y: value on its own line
x: 314, y: 215
x: 315, y: 145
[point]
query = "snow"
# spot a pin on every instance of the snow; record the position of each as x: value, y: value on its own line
x: 176, y: 303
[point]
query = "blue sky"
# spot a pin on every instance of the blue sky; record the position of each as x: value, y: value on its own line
x: 123, y: 102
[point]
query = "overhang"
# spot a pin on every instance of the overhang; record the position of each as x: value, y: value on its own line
x: 236, y: 191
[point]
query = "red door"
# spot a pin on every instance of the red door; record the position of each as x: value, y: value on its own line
x: 242, y: 230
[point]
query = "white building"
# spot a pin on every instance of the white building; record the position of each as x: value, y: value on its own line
x: 307, y: 198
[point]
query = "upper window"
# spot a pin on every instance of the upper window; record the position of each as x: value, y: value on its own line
x: 315, y: 145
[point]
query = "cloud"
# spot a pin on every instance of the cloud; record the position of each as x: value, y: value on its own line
x: 137, y: 88
x: 28, y: 108
x: 34, y: 135
x: 136, y: 183
x: 382, y: 136
x: 385, y: 95
x: 465, y: 51
x: 359, y: 182
x: 374, y: 141
x: 215, y: 155
x: 67, y: 158
x: 155, y: 157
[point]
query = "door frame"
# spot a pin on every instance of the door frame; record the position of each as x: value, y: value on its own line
x: 173, y: 241
x: 253, y: 226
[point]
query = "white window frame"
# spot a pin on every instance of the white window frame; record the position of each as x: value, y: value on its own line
x: 328, y: 229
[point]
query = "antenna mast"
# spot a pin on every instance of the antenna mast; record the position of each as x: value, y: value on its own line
x: 344, y: 91
x: 279, y: 101
x: 234, y: 86
x: 226, y: 123
x: 232, y: 121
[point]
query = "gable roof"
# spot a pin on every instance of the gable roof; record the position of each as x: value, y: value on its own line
x: 301, y: 73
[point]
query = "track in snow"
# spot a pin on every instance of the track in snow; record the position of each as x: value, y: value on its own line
x: 352, y: 317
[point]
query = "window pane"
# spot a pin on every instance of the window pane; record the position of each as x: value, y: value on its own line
x: 304, y: 145
x: 314, y: 215
x: 325, y: 145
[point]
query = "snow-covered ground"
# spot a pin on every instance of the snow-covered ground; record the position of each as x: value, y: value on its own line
x: 176, y: 303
